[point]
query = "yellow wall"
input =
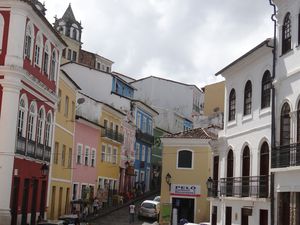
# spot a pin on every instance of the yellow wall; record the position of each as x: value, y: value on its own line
x: 61, y: 170
x: 214, y: 97
x: 108, y: 169
x: 196, y: 176
x: 59, y: 199
x: 73, y: 45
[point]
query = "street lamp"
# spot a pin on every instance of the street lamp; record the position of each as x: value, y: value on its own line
x: 44, y: 170
x: 169, y: 180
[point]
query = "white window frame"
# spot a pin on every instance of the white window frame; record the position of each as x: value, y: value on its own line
x: 143, y: 156
x: 138, y: 120
x: 32, y: 121
x: 177, y: 157
x: 103, y: 153
x: 115, y: 155
x: 1, y: 31
x: 46, y: 60
x: 149, y: 155
x: 137, y: 154
x: 137, y: 175
x: 28, y: 50
x: 48, y: 130
x: 79, y: 153
x: 109, y: 153
x: 93, y: 157
x: 38, y: 50
x: 41, y: 126
x: 22, y: 115
x: 86, y: 155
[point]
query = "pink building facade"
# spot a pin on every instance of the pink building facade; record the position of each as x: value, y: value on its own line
x: 86, y: 143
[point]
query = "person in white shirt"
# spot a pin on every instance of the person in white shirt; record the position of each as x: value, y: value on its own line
x: 131, y: 212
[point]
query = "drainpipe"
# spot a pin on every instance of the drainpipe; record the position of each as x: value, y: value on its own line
x: 273, y: 133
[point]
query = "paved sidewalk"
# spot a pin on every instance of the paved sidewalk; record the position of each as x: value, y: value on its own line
x: 104, y: 212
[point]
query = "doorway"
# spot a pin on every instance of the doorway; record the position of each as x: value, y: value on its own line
x: 185, y: 208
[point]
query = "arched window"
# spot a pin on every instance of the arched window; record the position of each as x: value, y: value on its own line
x: 32, y: 122
x: 41, y: 125
x: 285, y: 125
x: 264, y: 171
x: 28, y: 41
x: 48, y: 130
x: 46, y: 59
x: 266, y: 90
x: 246, y: 172
x: 232, y: 101
x: 229, y: 186
x: 22, y: 117
x: 1, y: 32
x: 185, y: 159
x: 53, y: 66
x: 286, y: 34
x: 248, y: 98
x: 74, y: 33
x: 38, y: 50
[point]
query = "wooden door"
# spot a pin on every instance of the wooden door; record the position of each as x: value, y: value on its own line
x: 246, y: 172
x: 14, y: 202
x: 228, y: 215
x: 244, y: 217
x: 215, y: 175
x: 264, y: 171
x: 263, y: 217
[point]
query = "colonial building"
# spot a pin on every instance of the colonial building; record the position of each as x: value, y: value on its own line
x: 144, y: 115
x: 61, y: 169
x: 70, y: 30
x: 240, y: 190
x: 286, y: 152
x: 29, y: 63
x: 175, y: 102
x: 185, y: 168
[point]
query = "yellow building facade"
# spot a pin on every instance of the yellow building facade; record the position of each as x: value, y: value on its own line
x: 186, y: 165
x: 61, y: 159
x: 214, y: 98
x: 108, y: 164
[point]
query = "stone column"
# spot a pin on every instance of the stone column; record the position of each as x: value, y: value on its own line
x: 8, y: 122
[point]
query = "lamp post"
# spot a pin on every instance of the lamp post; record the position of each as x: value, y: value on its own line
x: 209, y: 184
x: 169, y: 180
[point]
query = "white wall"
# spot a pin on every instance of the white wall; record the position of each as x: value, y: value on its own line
x: 96, y: 84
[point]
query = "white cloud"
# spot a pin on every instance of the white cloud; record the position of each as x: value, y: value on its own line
x: 184, y: 40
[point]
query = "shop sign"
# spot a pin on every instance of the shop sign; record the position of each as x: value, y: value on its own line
x: 185, y: 190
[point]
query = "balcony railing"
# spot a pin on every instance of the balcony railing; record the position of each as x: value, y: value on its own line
x: 286, y: 156
x: 254, y: 186
x: 110, y: 133
x: 21, y: 145
x: 145, y: 137
x: 32, y: 149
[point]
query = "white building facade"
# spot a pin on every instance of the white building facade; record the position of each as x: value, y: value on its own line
x: 286, y: 154
x: 240, y: 192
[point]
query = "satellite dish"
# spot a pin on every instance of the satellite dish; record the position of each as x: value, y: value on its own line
x: 80, y: 101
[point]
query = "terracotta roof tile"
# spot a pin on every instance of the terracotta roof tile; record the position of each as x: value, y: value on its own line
x: 200, y: 133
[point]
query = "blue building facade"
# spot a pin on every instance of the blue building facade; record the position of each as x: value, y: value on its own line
x: 143, y: 146
x: 122, y: 88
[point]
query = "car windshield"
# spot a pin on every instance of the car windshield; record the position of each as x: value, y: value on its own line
x: 148, y: 205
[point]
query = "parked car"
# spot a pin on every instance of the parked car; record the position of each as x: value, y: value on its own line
x: 52, y: 222
x: 204, y: 223
x: 157, y: 199
x: 149, y: 209
x: 71, y: 219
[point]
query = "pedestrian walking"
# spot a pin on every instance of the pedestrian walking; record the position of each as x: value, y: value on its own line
x: 131, y: 213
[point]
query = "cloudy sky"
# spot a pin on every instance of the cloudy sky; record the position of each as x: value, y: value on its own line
x: 182, y: 40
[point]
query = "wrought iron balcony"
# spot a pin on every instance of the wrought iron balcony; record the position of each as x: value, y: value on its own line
x: 286, y: 156
x: 254, y: 186
x: 110, y: 133
x: 21, y: 145
x: 145, y: 137
x: 32, y: 149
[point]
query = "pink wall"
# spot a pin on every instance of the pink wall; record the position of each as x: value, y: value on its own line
x: 88, y: 135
